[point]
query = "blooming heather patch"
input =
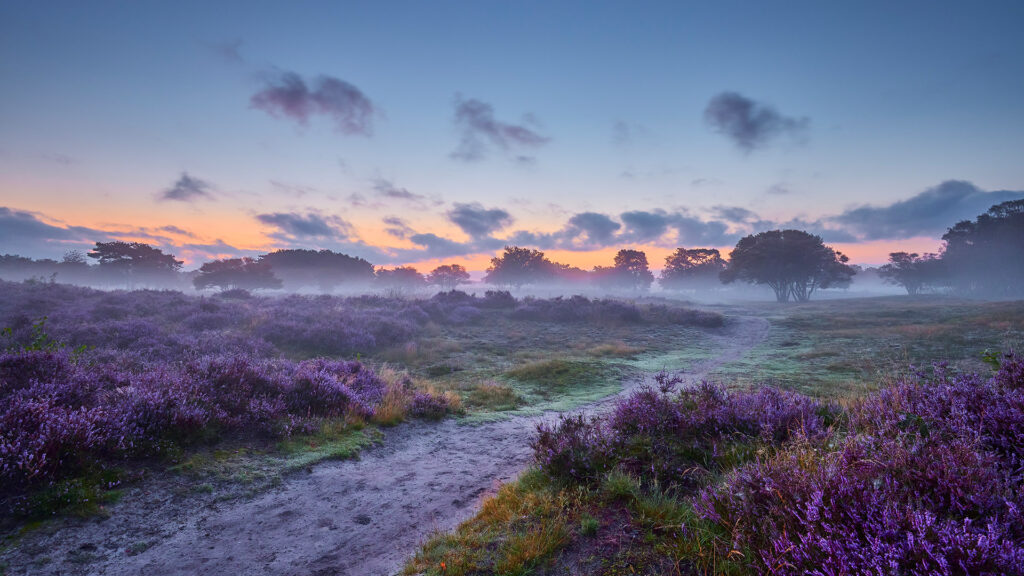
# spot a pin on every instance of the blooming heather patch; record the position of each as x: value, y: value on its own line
x: 924, y: 477
x: 59, y: 416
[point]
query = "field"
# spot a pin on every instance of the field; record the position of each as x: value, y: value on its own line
x: 194, y: 413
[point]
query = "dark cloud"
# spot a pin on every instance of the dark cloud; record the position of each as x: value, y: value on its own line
x: 25, y: 234
x: 481, y: 131
x: 397, y: 227
x: 293, y: 226
x: 644, y: 226
x: 437, y: 247
x: 655, y: 227
x: 747, y: 123
x: 929, y: 213
x: 477, y: 221
x: 598, y: 228
x: 186, y: 189
x: 386, y: 189
x: 176, y: 230
x: 290, y: 97
x: 734, y: 214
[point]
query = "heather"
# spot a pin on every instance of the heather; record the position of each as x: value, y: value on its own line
x: 922, y: 477
x: 94, y: 381
x: 62, y: 416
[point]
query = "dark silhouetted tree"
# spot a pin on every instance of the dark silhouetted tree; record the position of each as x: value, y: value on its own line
x: 984, y: 257
x: 693, y: 268
x: 134, y: 262
x: 519, y: 266
x: 793, y: 263
x: 912, y: 271
x: 230, y: 273
x: 448, y: 276
x: 324, y: 269
x: 630, y: 271
x: 400, y: 279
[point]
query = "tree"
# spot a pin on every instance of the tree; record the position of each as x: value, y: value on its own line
x: 134, y: 261
x: 324, y: 269
x: 448, y: 276
x: 519, y: 266
x: 629, y: 271
x: 697, y: 267
x: 983, y: 257
x: 400, y: 279
x: 793, y: 263
x: 913, y: 272
x: 230, y: 273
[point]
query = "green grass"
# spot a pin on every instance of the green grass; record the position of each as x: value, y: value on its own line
x: 504, y: 366
x: 334, y: 441
x: 847, y: 348
x: 559, y: 384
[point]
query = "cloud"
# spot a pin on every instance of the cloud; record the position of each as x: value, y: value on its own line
x: 397, y: 227
x: 477, y: 221
x: 186, y: 189
x: 292, y: 226
x: 176, y: 230
x: 749, y: 124
x: 598, y: 228
x: 736, y: 214
x: 229, y: 52
x: 57, y: 158
x: 387, y: 189
x: 27, y: 234
x: 291, y: 189
x: 625, y: 134
x: 642, y: 226
x: 290, y: 97
x: 481, y: 131
x: 656, y: 227
x: 929, y: 213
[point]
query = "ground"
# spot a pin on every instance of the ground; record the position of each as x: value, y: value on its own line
x: 235, y: 511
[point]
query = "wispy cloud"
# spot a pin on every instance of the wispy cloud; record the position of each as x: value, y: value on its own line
x: 230, y: 51
x: 750, y: 124
x: 387, y: 189
x: 186, y: 189
x: 292, y: 98
x: 481, y: 132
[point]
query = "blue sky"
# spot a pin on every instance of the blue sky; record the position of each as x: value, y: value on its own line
x: 579, y: 127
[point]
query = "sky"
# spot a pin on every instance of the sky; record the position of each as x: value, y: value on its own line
x: 439, y: 132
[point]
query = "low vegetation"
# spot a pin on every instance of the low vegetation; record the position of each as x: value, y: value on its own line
x: 923, y: 477
x: 95, y: 385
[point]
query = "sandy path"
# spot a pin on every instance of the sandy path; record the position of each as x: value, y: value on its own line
x: 360, y: 517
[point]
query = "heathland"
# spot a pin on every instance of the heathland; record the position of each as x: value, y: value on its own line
x: 180, y: 434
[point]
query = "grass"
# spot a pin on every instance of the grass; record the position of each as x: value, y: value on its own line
x: 846, y: 348
x: 559, y: 384
x: 334, y: 441
x: 517, y: 530
x: 498, y: 366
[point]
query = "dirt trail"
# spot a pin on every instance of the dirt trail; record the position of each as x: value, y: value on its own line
x: 361, y: 517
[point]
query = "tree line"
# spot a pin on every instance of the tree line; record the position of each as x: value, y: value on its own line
x: 980, y: 257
